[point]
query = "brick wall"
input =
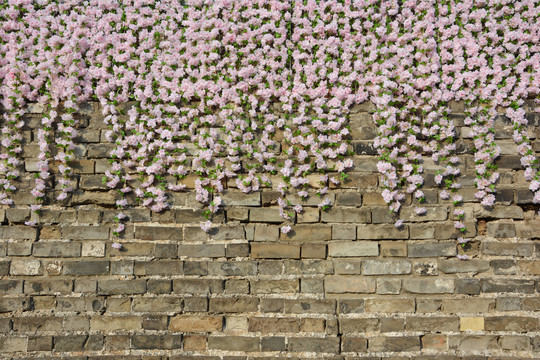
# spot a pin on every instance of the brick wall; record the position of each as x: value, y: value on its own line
x: 343, y: 284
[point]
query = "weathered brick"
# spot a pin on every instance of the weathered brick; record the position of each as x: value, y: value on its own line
x: 269, y: 215
x: 87, y: 267
x: 274, y: 325
x: 306, y: 233
x: 390, y: 305
x: 508, y: 249
x: 457, y: 266
x: 347, y: 266
x: 157, y: 304
x: 382, y: 232
x: 275, y: 251
x: 432, y: 249
x: 11, y: 304
x: 429, y: 286
x: 310, y: 306
x: 45, y: 323
x: 275, y: 286
x: 396, y: 344
x: 353, y: 248
x: 185, y: 323
x: 48, y: 287
x: 238, y: 198
x: 19, y: 249
x: 501, y: 229
x: 71, y: 343
x: 508, y: 286
x: 308, y: 267
x: 432, y: 324
x: 346, y: 215
x: 512, y: 323
x: 13, y: 344
x: 152, y: 342
x: 455, y: 306
x: 121, y: 287
x: 57, y: 249
x: 197, y: 286
x: 388, y: 286
x: 348, y: 284
x: 85, y: 232
x: 358, y: 325
x: 233, y: 268
x: 25, y: 267
x: 159, y: 267
x: 314, y: 251
x: 158, y: 233
x: 318, y: 345
x: 18, y: 232
x: 40, y: 343
x: 93, y: 249
x: 394, y: 249
x: 234, y: 343
x: 233, y: 305
x: 228, y: 233
x: 433, y: 213
x: 114, y: 323
x: 386, y: 267
x: 266, y: 233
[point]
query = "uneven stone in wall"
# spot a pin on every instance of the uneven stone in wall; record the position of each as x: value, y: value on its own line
x: 343, y: 284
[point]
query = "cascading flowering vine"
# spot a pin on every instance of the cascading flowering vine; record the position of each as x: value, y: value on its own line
x: 260, y: 92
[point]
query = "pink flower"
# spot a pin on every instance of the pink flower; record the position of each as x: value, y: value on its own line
x: 116, y: 246
x: 420, y: 210
x: 286, y: 229
x: 206, y: 226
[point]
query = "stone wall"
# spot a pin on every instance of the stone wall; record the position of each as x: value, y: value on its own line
x: 343, y: 284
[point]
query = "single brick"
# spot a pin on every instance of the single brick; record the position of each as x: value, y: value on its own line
x: 314, y: 251
x: 233, y: 268
x: 501, y: 229
x: 203, y: 250
x: 57, y: 249
x: 21, y: 232
x: 25, y: 267
x: 86, y: 232
x: 308, y: 306
x: 508, y: 249
x: 87, y: 267
x: 274, y: 325
x: 269, y: 215
x: 432, y: 324
x: 353, y: 249
x: 358, y: 325
x: 234, y: 305
x: 266, y: 233
x: 121, y: 287
x: 346, y: 215
x: 234, y: 343
x: 458, y: 266
x: 159, y: 267
x: 238, y: 198
x: 275, y: 251
x: 388, y: 286
x: 390, y: 305
x: 275, y: 286
x: 305, y: 233
x: 197, y: 286
x: 158, y: 233
x: 386, y: 267
x: 508, y: 286
x: 382, y: 232
x: 157, y: 304
x: 183, y: 323
x: 348, y: 284
x: 10, y: 304
x: 512, y: 323
x: 395, y: 344
x: 153, y: 342
x: 317, y: 345
x: 429, y: 286
x: 115, y: 323
x: 468, y: 323
x: 432, y: 249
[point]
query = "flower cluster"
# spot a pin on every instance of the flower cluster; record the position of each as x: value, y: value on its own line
x: 259, y: 92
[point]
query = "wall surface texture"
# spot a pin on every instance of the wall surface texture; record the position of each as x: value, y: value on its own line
x: 342, y: 284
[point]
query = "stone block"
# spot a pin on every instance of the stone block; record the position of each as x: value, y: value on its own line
x: 432, y: 250
x: 317, y: 345
x: 234, y: 343
x: 468, y: 323
x: 57, y: 249
x: 348, y: 284
x: 86, y: 267
x: 25, y: 267
x: 353, y: 249
x: 346, y: 215
x: 381, y: 232
x: 386, y: 267
x: 429, y: 286
x: 275, y: 251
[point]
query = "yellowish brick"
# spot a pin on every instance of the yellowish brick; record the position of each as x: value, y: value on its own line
x: 471, y: 323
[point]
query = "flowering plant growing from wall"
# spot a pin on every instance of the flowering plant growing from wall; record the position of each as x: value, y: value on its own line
x: 223, y: 89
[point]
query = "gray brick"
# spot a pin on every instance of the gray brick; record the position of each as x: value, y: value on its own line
x: 86, y: 232
x: 121, y: 287
x: 202, y: 250
x: 234, y: 343
x: 346, y: 215
x: 386, y: 267
x: 429, y: 286
x: 18, y: 232
x: 158, y: 233
x: 317, y: 345
x: 458, y: 266
x: 87, y: 267
x: 238, y: 198
x: 232, y: 268
x: 432, y: 249
x: 382, y: 232
x: 57, y: 249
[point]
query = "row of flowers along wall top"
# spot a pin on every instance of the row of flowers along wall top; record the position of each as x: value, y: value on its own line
x: 227, y: 77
